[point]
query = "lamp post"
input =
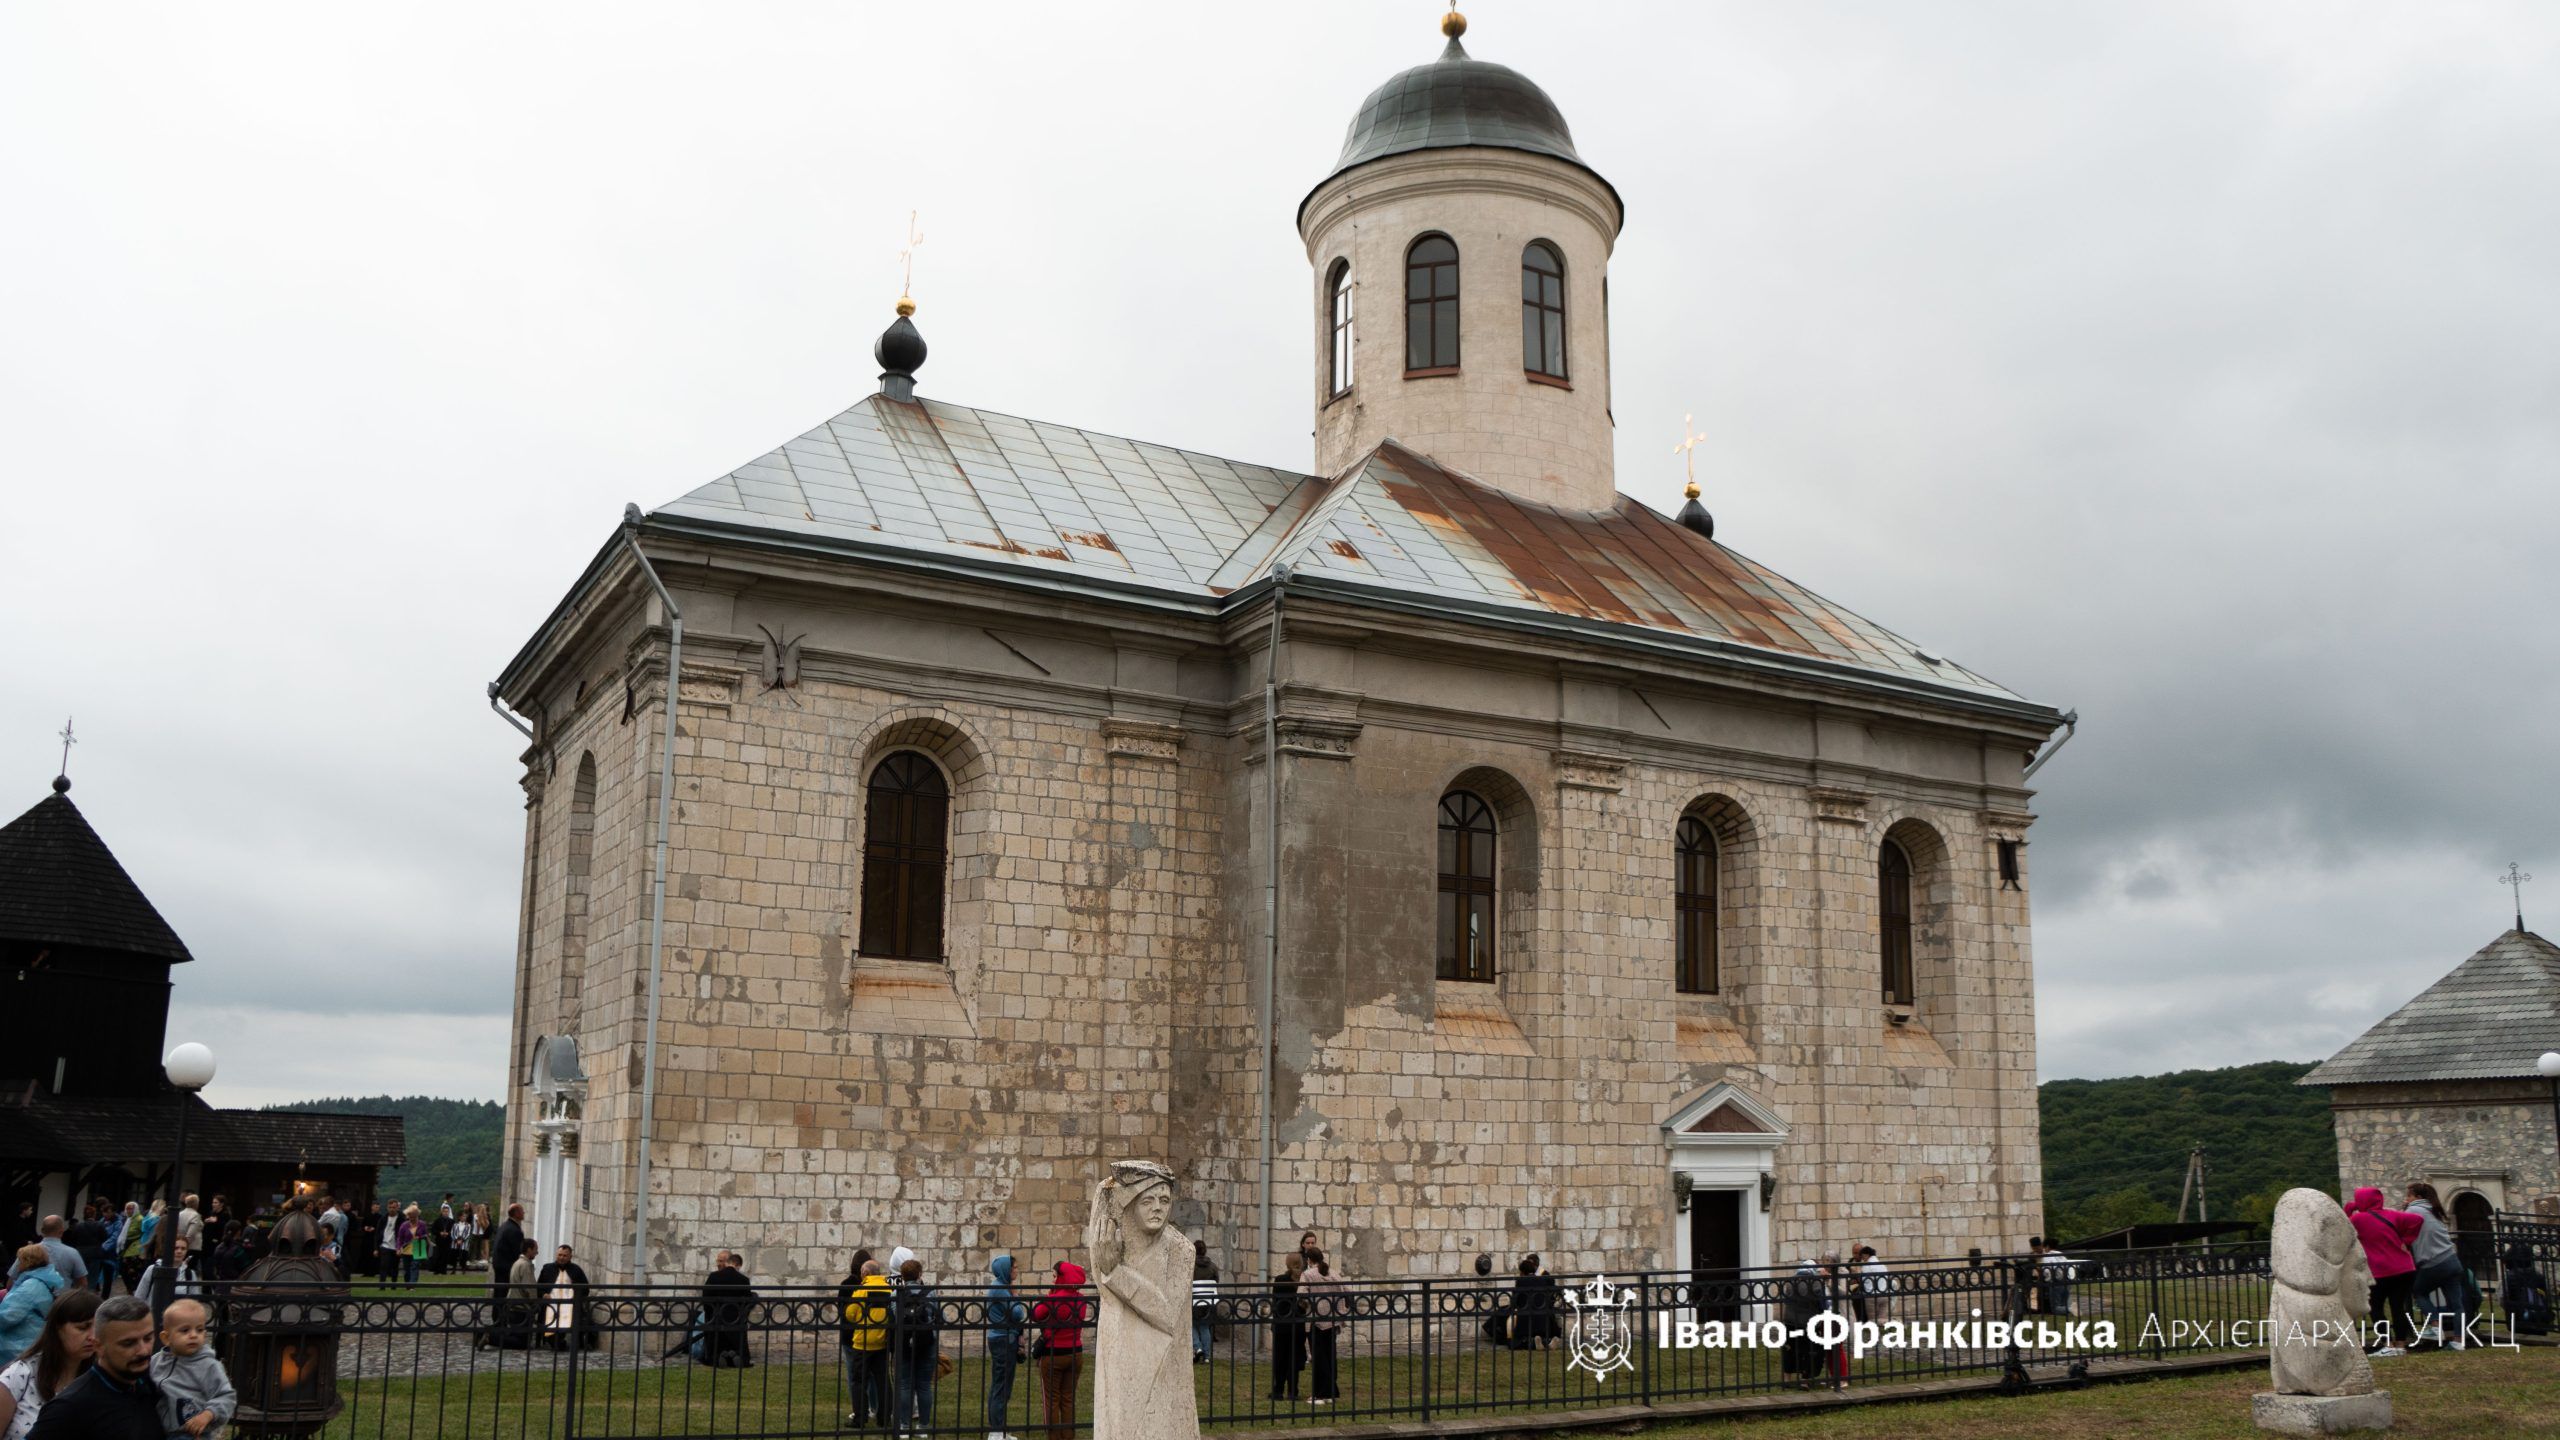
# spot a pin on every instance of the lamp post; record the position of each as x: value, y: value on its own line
x: 2549, y: 1065
x: 190, y: 1068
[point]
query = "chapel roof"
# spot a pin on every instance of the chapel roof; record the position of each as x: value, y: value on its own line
x: 60, y: 885
x: 1050, y: 504
x: 38, y: 1128
x: 2490, y: 1019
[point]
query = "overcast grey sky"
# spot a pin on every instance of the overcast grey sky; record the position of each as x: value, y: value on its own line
x: 2197, y: 366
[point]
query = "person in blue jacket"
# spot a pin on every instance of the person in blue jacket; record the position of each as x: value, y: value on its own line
x: 1005, y: 1319
x: 33, y: 1287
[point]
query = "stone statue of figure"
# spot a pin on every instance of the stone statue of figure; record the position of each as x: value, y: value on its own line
x: 2320, y: 1305
x: 1142, y: 1343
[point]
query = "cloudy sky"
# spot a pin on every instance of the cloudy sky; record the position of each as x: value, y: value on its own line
x: 2197, y: 366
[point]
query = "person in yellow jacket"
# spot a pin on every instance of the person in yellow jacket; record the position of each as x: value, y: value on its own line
x: 862, y: 1328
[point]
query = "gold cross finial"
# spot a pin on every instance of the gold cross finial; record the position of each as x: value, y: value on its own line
x: 907, y: 267
x: 1688, y: 446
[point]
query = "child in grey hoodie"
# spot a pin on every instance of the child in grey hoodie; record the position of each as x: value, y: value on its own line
x: 196, y: 1398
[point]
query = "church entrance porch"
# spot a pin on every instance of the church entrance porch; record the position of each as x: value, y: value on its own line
x: 1724, y: 1149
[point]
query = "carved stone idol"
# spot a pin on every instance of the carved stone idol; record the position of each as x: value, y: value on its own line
x: 2316, y: 1319
x: 1142, y: 1343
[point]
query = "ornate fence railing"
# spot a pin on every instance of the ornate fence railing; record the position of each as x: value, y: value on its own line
x: 441, y: 1365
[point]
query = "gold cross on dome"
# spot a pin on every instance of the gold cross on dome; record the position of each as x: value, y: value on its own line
x: 1688, y: 447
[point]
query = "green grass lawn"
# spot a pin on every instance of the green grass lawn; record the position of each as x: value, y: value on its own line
x: 2467, y: 1396
x: 2478, y: 1393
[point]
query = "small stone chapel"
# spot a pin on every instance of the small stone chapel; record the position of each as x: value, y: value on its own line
x: 1437, y: 848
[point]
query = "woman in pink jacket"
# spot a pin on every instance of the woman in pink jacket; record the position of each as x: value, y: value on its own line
x: 2387, y: 1235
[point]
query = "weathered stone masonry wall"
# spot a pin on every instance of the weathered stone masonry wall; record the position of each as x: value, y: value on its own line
x: 1105, y: 931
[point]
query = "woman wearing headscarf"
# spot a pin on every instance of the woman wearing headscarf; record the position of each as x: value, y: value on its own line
x: 1142, y: 1270
x: 1800, y: 1298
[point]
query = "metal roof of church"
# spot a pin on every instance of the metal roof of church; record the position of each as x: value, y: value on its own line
x: 931, y: 479
x: 2488, y: 1020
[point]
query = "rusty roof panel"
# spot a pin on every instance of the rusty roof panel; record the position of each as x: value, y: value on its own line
x: 931, y: 477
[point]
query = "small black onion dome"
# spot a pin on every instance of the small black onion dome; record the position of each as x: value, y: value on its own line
x: 900, y: 351
x: 1695, y: 516
x: 1458, y: 100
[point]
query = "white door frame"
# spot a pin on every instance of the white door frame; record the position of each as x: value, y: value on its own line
x: 1725, y: 1160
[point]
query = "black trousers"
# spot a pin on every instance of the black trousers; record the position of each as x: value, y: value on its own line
x: 1288, y: 1357
x: 1320, y: 1347
x: 2399, y: 1292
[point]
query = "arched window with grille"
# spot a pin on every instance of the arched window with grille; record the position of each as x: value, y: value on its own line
x: 1893, y: 909
x: 1542, y: 310
x: 1698, y: 966
x: 1467, y: 910
x: 1431, y: 305
x: 1338, y: 324
x: 906, y: 858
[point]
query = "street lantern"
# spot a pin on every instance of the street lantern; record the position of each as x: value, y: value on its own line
x: 190, y: 1069
x: 2549, y: 1065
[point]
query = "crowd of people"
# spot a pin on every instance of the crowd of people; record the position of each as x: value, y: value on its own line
x: 73, y: 1347
x: 80, y: 1359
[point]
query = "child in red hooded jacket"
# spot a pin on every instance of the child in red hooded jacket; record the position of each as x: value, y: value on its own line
x: 1060, y: 1316
x: 2387, y: 1236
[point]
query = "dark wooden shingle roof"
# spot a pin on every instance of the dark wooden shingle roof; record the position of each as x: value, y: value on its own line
x: 60, y: 885
x: 2491, y: 1019
x: 63, y: 1131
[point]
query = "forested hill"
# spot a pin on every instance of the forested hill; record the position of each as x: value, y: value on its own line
x: 2115, y: 1151
x: 453, y: 1144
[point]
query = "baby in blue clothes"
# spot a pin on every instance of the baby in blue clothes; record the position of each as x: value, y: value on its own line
x: 196, y: 1399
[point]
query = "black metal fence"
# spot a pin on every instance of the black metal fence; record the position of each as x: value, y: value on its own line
x: 623, y: 1363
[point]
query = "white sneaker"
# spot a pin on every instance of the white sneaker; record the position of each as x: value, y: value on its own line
x: 2388, y: 1352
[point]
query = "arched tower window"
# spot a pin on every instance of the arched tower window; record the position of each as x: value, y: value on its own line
x: 906, y: 858
x: 1467, y: 910
x: 1431, y: 304
x: 1893, y: 908
x: 1542, y: 310
x: 1695, y: 909
x: 1338, y: 323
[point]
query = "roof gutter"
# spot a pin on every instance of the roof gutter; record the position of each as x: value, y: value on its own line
x: 1686, y: 645
x: 2070, y: 727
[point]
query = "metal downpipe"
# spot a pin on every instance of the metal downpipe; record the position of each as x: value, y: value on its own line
x: 657, y: 896
x: 1271, y: 893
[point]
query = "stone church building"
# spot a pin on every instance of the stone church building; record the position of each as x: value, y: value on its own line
x: 2444, y: 1089
x: 1449, y: 848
